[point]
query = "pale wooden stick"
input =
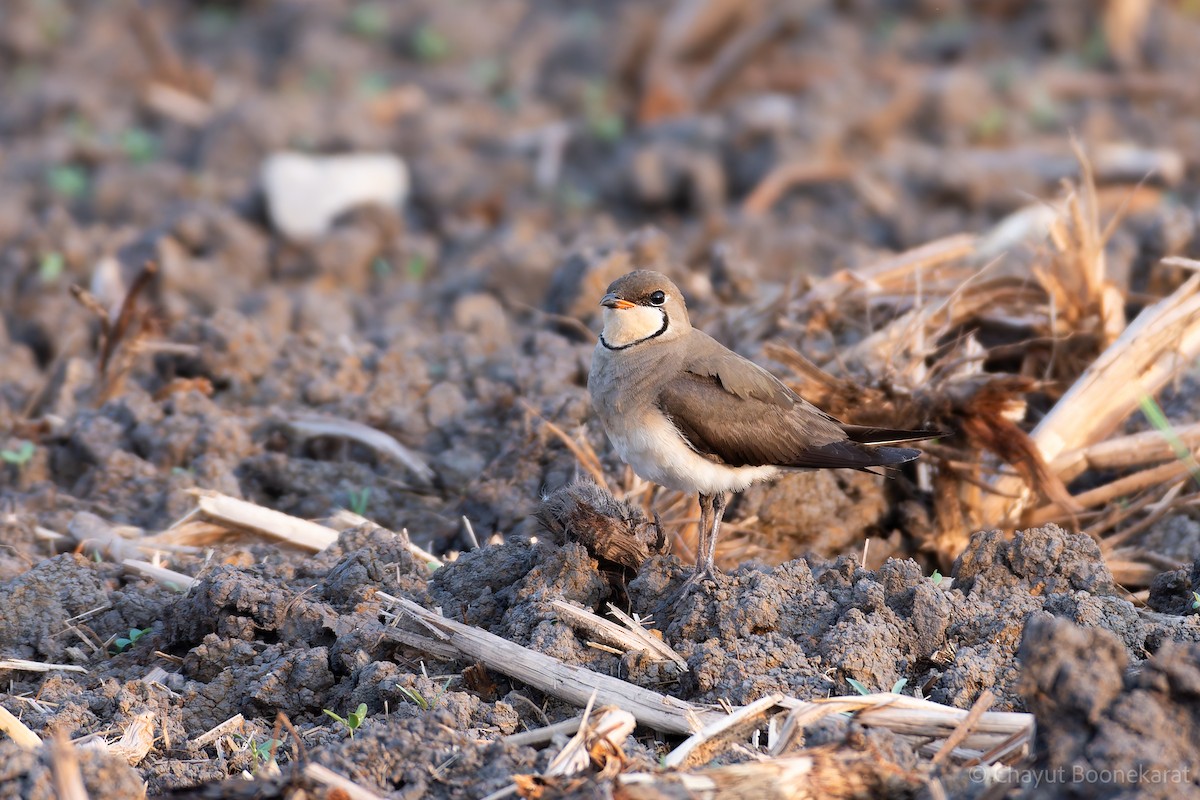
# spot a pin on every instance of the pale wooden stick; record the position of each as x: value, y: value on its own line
x: 18, y: 731
x: 1126, y: 451
x: 538, y: 735
x: 907, y: 715
x: 312, y: 425
x: 344, y: 518
x: 236, y: 723
x: 1164, y: 338
x: 331, y: 780
x: 564, y: 681
x: 136, y: 741
x: 626, y: 638
x: 695, y: 749
x: 1154, y: 476
x: 978, y: 709
x: 276, y: 524
x: 37, y: 666
x: 654, y: 643
x: 64, y: 765
x: 167, y: 577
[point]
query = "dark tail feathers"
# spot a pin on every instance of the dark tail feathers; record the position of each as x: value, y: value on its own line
x: 863, y: 434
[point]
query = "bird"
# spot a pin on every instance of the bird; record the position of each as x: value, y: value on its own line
x: 687, y: 413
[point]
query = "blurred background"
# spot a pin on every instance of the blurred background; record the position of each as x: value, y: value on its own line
x: 400, y: 216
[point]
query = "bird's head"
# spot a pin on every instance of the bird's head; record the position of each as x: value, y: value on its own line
x: 643, y: 307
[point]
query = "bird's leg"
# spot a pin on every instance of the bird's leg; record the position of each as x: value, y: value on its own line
x: 704, y: 558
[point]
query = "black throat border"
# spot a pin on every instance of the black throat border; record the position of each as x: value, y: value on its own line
x: 666, y: 324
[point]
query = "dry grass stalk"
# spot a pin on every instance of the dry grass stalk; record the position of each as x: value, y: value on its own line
x: 118, y: 348
x: 825, y: 773
x: 335, y: 783
x: 629, y: 639
x: 1133, y: 450
x: 564, y: 681
x: 978, y: 709
x: 22, y: 665
x: 1162, y: 340
x: 314, y: 425
x: 268, y: 522
x: 343, y: 519
x: 909, y: 716
x: 64, y: 766
x: 788, y: 175
x: 544, y: 734
x: 235, y: 724
x: 167, y: 577
x: 135, y: 743
x: 700, y: 747
x: 598, y: 741
x: 18, y: 731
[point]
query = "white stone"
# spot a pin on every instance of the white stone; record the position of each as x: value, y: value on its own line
x: 306, y: 193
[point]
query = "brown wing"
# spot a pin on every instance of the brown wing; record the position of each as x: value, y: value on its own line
x: 738, y: 376
x: 746, y: 431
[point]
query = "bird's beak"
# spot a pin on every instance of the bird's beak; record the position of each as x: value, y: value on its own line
x: 611, y: 300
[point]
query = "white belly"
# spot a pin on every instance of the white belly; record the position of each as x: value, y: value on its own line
x: 657, y: 453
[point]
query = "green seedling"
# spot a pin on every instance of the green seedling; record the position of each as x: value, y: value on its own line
x: 51, y: 266
x: 416, y: 267
x: 415, y: 697
x: 20, y: 456
x: 125, y: 641
x: 430, y: 45
x: 372, y: 85
x: 1195, y: 600
x: 262, y: 752
x: 381, y: 267
x: 936, y: 577
x: 139, y: 146
x: 359, y: 500
x: 68, y: 180
x: 419, y: 699
x: 370, y: 21
x: 353, y: 721
x: 1155, y: 416
x: 602, y: 121
x: 861, y: 688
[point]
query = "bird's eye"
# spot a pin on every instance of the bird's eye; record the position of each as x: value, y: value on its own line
x: 658, y: 298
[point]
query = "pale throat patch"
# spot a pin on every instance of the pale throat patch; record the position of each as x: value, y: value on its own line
x: 625, y: 326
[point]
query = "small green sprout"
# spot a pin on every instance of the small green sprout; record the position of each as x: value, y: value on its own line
x: 415, y: 697
x: 1195, y: 600
x: 861, y: 687
x: 1155, y: 416
x: 68, y: 180
x: 353, y: 721
x: 359, y: 500
x: 430, y: 45
x: 936, y: 577
x: 51, y: 266
x: 419, y: 700
x: 20, y: 456
x: 416, y: 267
x: 139, y: 145
x: 369, y: 20
x: 602, y: 121
x: 125, y: 641
x: 261, y: 752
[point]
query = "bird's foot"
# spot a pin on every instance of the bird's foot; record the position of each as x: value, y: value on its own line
x: 694, y: 583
